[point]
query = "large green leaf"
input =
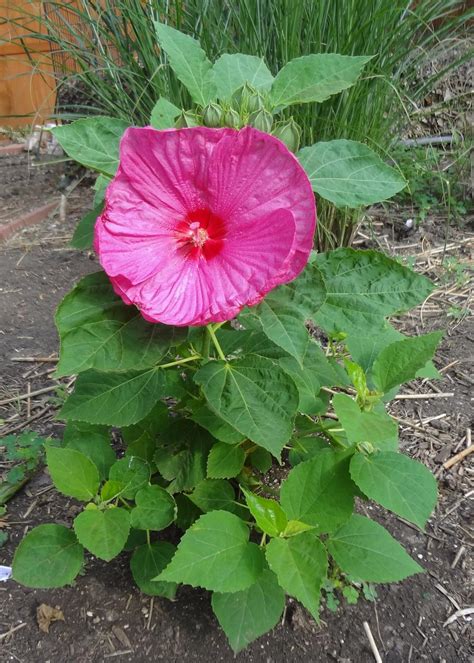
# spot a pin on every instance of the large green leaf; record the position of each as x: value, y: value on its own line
x: 103, y: 533
x: 400, y: 361
x: 225, y: 461
x: 117, y: 399
x: 363, y: 287
x: 215, y: 554
x: 92, y: 441
x: 300, y: 563
x: 84, y: 233
x: 378, y: 428
x: 254, y: 396
x: 73, y: 473
x: 147, y: 562
x: 97, y: 330
x: 268, y: 514
x: 189, y: 62
x: 319, y: 491
x: 164, y: 114
x: 49, y: 556
x: 93, y: 142
x: 349, y: 173
x: 368, y: 552
x: 398, y: 483
x: 231, y: 71
x: 315, y: 77
x: 246, y: 615
x: 155, y: 509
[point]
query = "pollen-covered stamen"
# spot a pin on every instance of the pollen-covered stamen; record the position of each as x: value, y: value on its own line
x: 198, y: 234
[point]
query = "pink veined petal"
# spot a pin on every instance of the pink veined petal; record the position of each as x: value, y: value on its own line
x: 201, y: 291
x: 200, y: 222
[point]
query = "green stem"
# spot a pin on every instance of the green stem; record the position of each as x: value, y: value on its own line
x: 179, y: 361
x: 206, y: 345
x: 212, y: 334
x: 148, y: 540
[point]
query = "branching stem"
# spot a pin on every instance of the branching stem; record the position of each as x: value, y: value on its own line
x: 213, y: 336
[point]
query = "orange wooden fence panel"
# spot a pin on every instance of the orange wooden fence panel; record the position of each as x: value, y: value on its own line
x: 27, y: 83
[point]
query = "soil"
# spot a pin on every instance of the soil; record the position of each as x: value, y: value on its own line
x: 106, y: 617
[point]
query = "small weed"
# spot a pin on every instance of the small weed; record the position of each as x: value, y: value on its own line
x: 25, y: 452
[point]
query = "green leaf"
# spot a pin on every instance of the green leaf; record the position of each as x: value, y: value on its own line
x: 305, y: 448
x: 398, y: 483
x: 348, y: 173
x: 92, y: 441
x: 231, y: 71
x: 97, y: 330
x: 268, y: 514
x: 103, y: 533
x: 132, y: 473
x: 284, y: 311
x: 261, y: 459
x: 363, y: 287
x: 147, y: 562
x: 300, y: 564
x: 213, y: 495
x: 49, y: 556
x: 215, y: 554
x: 296, y: 527
x: 116, y: 399
x: 400, y: 361
x: 93, y: 142
x: 218, y: 428
x: 368, y: 552
x: 189, y: 63
x: 225, y: 461
x: 254, y: 396
x: 155, y: 509
x: 378, y: 428
x: 181, y: 455
x: 84, y: 233
x: 164, y: 114
x: 72, y: 473
x: 246, y: 615
x: 319, y: 491
x: 315, y: 77
x: 188, y: 512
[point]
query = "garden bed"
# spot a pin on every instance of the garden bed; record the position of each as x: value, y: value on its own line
x: 105, y: 616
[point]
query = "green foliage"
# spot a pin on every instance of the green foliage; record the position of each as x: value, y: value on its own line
x: 349, y: 173
x: 268, y: 514
x: 247, y: 614
x: 315, y: 78
x: 300, y: 564
x: 155, y: 509
x: 93, y: 142
x: 103, y: 533
x: 24, y: 452
x: 215, y: 554
x: 73, y: 473
x: 49, y: 556
x: 225, y: 461
x: 164, y: 114
x: 367, y: 551
x: 147, y: 562
x: 233, y: 71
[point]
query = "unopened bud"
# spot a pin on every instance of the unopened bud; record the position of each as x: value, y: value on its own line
x: 365, y: 448
x: 255, y: 102
x: 212, y: 115
x: 241, y: 97
x: 289, y: 133
x: 186, y: 119
x: 231, y: 118
x: 262, y: 120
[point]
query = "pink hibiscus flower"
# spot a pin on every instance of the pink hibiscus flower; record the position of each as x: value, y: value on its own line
x: 200, y: 222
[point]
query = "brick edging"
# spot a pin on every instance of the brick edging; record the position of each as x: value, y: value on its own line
x: 13, y: 148
x: 30, y: 219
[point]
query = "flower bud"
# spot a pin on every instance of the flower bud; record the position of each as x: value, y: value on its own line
x: 255, y: 102
x: 212, y: 115
x: 262, y: 120
x: 231, y: 119
x: 241, y: 97
x: 186, y: 119
x: 289, y: 133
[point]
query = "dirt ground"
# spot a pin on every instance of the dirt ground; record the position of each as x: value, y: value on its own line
x: 106, y: 617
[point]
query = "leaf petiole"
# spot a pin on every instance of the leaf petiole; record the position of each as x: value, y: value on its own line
x: 213, y: 336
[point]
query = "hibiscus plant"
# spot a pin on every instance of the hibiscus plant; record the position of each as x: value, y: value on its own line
x: 216, y: 350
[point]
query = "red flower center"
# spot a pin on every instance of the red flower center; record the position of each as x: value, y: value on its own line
x: 201, y: 233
